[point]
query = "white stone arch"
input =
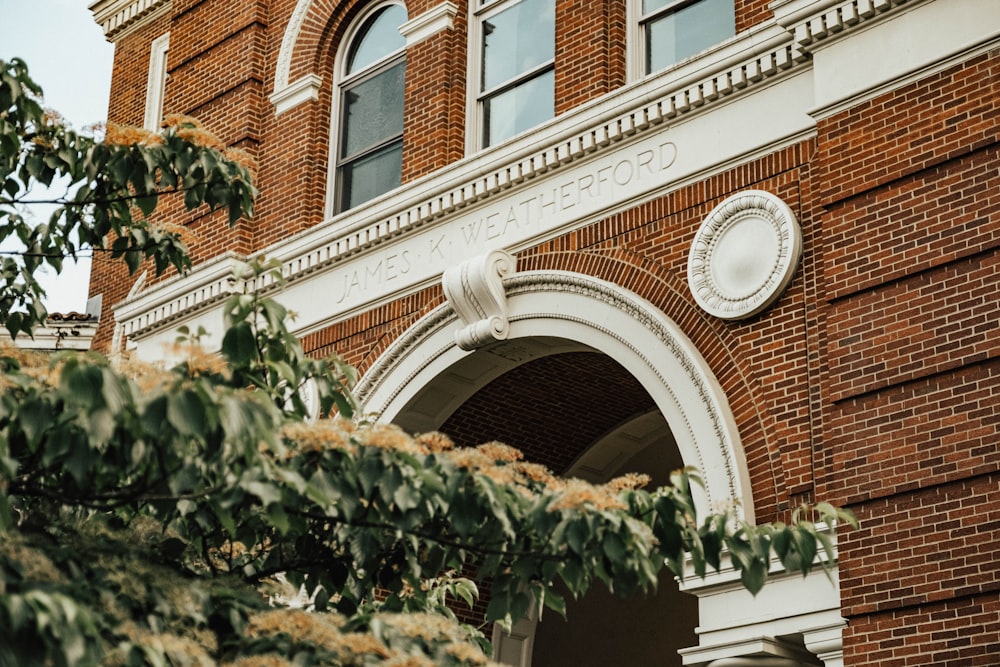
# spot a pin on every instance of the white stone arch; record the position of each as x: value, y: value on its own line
x: 288, y: 94
x: 586, y: 312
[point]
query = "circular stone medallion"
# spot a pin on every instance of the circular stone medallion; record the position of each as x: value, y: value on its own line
x: 744, y: 255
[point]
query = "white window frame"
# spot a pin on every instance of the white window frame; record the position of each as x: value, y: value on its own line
x: 156, y: 82
x: 635, y: 38
x: 340, y: 80
x: 476, y: 123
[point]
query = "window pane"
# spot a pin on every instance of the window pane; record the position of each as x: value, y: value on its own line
x: 379, y: 37
x: 373, y: 111
x: 371, y: 176
x: 652, y: 5
x: 516, y: 40
x: 683, y: 33
x: 519, y: 108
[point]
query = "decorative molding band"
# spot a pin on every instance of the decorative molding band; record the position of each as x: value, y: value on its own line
x: 60, y: 332
x: 158, y: 306
x: 429, y: 23
x: 114, y: 16
x: 401, y: 348
x: 475, y: 290
x: 321, y: 247
x: 294, y: 94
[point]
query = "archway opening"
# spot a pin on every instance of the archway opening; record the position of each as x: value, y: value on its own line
x: 580, y: 413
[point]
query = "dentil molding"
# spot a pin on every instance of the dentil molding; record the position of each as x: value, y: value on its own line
x: 115, y: 16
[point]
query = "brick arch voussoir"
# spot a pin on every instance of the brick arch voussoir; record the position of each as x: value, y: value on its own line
x: 430, y: 301
x: 722, y: 351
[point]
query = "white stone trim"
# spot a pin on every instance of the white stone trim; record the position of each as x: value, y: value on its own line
x: 156, y: 82
x: 428, y: 24
x: 603, y: 317
x: 827, y: 643
x: 305, y: 89
x: 57, y: 334
x: 893, y: 42
x: 115, y: 16
x: 737, y: 626
x: 812, y: 21
x: 744, y: 255
x: 288, y: 40
x: 208, y: 284
x: 475, y: 291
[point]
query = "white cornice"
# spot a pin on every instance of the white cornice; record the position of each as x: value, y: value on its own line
x: 813, y: 21
x: 431, y: 22
x: 55, y: 335
x: 210, y: 283
x: 115, y: 16
x: 294, y: 94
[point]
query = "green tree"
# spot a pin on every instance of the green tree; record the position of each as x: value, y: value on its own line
x: 177, y: 516
x: 110, y: 188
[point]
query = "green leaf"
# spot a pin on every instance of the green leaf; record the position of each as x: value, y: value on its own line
x: 613, y: 547
x: 754, y: 575
x: 35, y: 418
x: 406, y: 496
x: 186, y: 412
x: 369, y: 474
x: 464, y: 517
x: 239, y: 345
x: 555, y: 602
x: 146, y: 204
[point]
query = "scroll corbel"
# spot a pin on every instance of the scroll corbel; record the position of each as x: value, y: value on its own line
x: 475, y: 291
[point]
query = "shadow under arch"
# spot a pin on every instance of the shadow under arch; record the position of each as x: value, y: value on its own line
x: 552, y: 311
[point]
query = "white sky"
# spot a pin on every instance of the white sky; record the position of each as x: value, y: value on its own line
x: 68, y: 56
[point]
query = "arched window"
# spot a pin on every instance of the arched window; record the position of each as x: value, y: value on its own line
x: 368, y: 127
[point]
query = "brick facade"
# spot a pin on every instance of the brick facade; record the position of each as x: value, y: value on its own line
x: 872, y: 382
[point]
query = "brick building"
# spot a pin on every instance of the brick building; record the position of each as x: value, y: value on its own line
x: 761, y: 237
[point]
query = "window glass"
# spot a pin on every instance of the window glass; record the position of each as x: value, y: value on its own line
x: 378, y: 39
x: 519, y: 108
x: 517, y: 40
x: 372, y: 175
x: 517, y: 80
x: 684, y: 29
x: 373, y: 111
x: 370, y: 135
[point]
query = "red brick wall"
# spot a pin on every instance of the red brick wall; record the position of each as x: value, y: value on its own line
x: 963, y: 632
x: 434, y: 132
x: 590, y: 50
x: 127, y: 106
x: 911, y: 224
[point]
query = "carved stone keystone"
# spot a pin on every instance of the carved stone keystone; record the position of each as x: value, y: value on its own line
x: 475, y: 290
